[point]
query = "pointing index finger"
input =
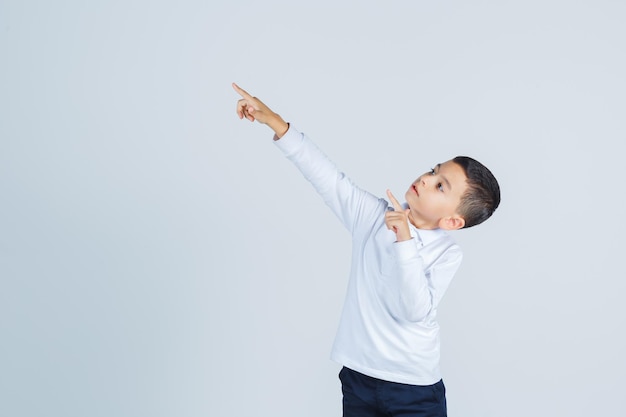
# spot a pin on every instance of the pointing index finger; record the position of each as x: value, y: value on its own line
x: 396, y: 204
x: 243, y: 93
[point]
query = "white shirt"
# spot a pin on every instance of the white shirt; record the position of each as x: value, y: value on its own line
x: 388, y: 328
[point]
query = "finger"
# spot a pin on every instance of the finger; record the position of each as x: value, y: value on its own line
x: 243, y: 93
x: 394, y: 218
x: 390, y: 226
x: 240, y: 108
x: 243, y: 107
x: 243, y: 110
x: 394, y: 202
x: 248, y: 116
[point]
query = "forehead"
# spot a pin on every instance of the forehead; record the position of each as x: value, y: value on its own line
x: 455, y: 174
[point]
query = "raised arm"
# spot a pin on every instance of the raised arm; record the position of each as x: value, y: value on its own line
x: 350, y: 203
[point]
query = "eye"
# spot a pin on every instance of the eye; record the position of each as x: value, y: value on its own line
x: 440, y: 187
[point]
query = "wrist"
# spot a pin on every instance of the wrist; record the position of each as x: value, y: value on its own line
x: 403, y: 235
x: 278, y: 125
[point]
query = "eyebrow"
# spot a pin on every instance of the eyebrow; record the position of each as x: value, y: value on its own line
x: 444, y: 178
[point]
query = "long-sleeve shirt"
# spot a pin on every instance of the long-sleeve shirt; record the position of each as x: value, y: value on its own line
x: 388, y: 328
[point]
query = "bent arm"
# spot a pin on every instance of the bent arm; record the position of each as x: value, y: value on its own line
x: 419, y: 287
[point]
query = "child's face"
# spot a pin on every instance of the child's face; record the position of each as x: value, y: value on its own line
x: 435, y: 196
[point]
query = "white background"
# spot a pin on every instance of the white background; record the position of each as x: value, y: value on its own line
x: 159, y: 257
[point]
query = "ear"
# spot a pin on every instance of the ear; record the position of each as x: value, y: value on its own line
x: 452, y: 223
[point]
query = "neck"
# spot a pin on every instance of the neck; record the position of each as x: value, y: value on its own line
x: 421, y: 224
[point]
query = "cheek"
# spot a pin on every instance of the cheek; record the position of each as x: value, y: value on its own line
x: 439, y: 202
x: 451, y: 205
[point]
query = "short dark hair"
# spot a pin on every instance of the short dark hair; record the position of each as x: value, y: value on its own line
x: 482, y: 197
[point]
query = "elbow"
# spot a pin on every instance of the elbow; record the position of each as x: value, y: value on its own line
x: 416, y: 312
x: 416, y: 317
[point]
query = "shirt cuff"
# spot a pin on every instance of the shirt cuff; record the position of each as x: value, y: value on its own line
x: 290, y: 142
x: 406, y: 250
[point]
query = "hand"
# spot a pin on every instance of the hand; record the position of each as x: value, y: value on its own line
x: 253, y: 109
x: 398, y: 220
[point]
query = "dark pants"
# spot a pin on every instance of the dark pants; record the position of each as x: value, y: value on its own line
x: 364, y: 396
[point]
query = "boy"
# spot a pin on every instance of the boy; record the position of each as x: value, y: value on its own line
x: 402, y: 262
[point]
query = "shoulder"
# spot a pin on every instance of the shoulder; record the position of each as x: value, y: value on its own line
x: 440, y: 247
x: 448, y: 244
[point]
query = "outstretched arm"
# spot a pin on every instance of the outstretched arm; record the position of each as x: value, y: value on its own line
x: 347, y: 201
x: 253, y: 109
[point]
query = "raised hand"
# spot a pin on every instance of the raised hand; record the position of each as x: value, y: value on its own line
x: 253, y: 109
x: 398, y: 220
